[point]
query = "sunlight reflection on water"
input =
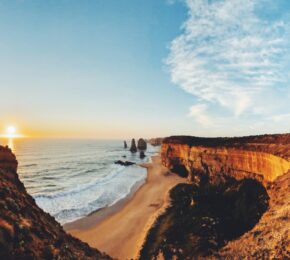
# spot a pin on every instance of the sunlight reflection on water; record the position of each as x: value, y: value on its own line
x: 10, y: 144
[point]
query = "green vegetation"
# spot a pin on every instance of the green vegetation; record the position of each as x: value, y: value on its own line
x: 202, y: 219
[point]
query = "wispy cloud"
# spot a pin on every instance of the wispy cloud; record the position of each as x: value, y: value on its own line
x: 200, y: 114
x: 229, y: 56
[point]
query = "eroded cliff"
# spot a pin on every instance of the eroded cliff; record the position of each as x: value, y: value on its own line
x: 215, y: 161
x: 26, y: 231
x: 263, y: 158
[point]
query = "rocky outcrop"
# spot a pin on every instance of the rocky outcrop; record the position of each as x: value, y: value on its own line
x: 8, y: 160
x: 125, y: 145
x: 26, y: 231
x: 133, y: 148
x: 270, y: 238
x: 142, y: 145
x: 263, y: 158
x: 126, y: 163
x: 142, y: 155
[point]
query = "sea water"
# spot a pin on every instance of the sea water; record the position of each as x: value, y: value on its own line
x: 71, y: 178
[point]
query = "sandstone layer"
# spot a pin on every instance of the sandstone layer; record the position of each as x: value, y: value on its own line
x: 26, y: 231
x: 265, y: 158
x: 260, y: 157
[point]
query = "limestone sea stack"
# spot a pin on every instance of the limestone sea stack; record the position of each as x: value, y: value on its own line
x: 142, y: 145
x: 142, y: 155
x: 125, y: 145
x: 133, y: 148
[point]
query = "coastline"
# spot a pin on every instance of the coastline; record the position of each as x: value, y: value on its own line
x: 120, y: 229
x: 99, y: 215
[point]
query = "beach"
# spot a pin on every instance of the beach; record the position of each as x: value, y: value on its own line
x: 120, y: 230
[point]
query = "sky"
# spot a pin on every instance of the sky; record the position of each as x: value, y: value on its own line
x: 132, y: 68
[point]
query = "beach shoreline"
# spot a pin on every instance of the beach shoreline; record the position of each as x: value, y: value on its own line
x: 120, y: 229
x: 101, y: 214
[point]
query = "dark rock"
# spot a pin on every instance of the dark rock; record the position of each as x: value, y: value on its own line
x: 142, y: 155
x: 133, y: 147
x: 142, y: 145
x: 125, y: 145
x: 126, y: 163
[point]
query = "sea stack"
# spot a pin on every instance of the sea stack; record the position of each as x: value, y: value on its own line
x: 125, y: 145
x: 142, y: 155
x: 133, y: 147
x: 142, y: 145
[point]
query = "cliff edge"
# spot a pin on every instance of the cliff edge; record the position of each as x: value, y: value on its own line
x: 26, y: 231
x: 262, y: 157
x: 265, y: 159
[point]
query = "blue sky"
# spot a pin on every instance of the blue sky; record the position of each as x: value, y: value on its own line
x: 122, y: 68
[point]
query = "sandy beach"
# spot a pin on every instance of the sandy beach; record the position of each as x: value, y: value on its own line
x: 120, y: 230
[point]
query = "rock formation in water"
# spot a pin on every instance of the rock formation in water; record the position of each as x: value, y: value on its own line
x: 26, y: 231
x: 125, y: 145
x: 142, y: 145
x: 221, y: 166
x: 142, y: 155
x: 133, y: 148
x: 126, y: 163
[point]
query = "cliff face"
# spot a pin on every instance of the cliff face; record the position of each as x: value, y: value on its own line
x: 155, y: 141
x: 270, y: 238
x: 264, y: 158
x: 237, y: 157
x: 26, y: 231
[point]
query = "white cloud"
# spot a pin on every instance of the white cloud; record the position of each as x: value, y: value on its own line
x: 228, y: 56
x: 199, y: 113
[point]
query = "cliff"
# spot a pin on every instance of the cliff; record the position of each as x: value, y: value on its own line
x: 270, y: 238
x: 26, y: 231
x: 155, y: 141
x: 214, y: 161
x: 261, y: 157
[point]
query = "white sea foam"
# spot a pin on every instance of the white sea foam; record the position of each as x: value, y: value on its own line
x: 79, y: 202
x: 71, y: 179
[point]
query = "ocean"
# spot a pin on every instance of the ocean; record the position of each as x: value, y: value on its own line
x: 72, y: 178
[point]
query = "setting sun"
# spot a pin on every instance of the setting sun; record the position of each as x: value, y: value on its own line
x: 11, y: 132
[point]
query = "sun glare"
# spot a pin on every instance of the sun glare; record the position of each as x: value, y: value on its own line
x: 11, y: 132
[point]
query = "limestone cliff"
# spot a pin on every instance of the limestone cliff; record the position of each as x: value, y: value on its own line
x: 155, y: 141
x: 265, y: 158
x: 26, y: 231
x: 260, y: 157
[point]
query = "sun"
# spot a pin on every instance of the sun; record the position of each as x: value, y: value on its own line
x: 11, y: 132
